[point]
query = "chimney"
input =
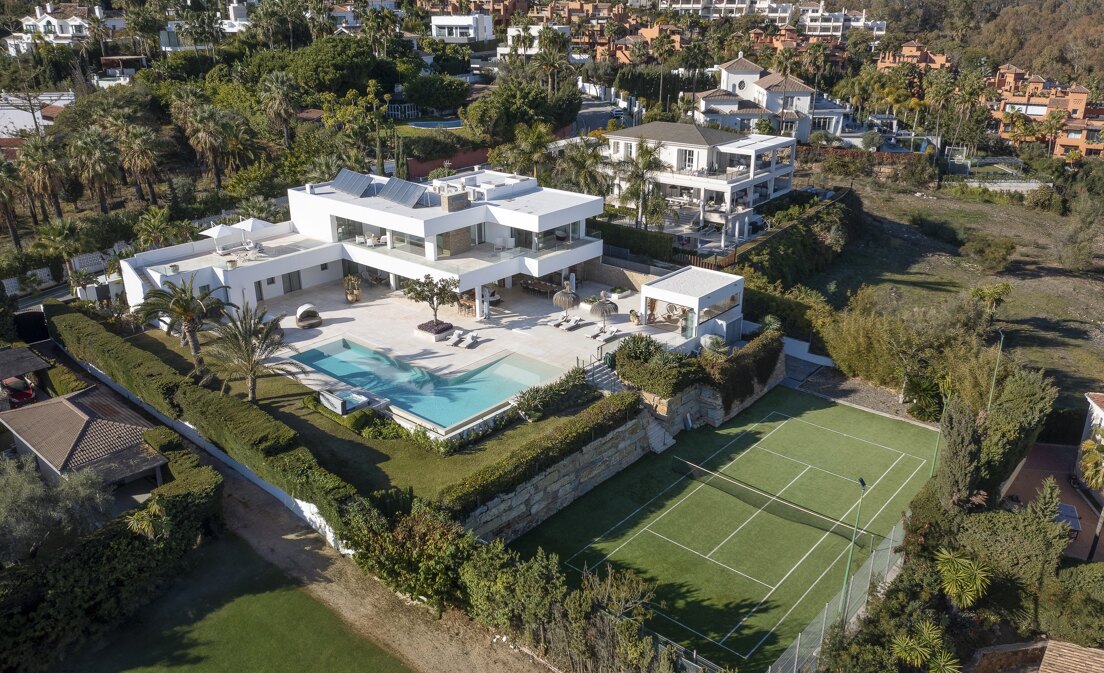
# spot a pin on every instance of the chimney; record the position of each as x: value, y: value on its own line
x: 49, y: 8
x: 309, y: 188
x: 38, y: 12
x: 98, y: 11
x: 740, y: 55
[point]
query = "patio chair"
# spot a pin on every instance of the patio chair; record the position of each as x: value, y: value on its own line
x: 571, y: 324
x: 306, y: 317
x: 458, y: 338
x: 474, y: 340
x: 610, y: 335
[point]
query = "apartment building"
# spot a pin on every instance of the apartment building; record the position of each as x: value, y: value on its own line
x: 62, y: 23
x: 480, y: 227
x: 916, y: 53
x: 621, y: 51
x: 749, y: 92
x: 462, y: 29
x: 815, y: 20
x: 1036, y: 97
x: 725, y: 174
x: 500, y: 11
x: 810, y: 18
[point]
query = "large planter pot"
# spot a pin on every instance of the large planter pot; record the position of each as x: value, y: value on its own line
x: 425, y: 335
x: 352, y: 296
x: 621, y: 295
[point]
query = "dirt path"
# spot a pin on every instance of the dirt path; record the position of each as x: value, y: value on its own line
x: 410, y: 633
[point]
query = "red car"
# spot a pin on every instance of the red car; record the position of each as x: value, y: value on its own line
x: 19, y: 390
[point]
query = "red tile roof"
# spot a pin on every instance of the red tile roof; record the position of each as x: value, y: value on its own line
x: 1097, y: 400
x: 1063, y: 657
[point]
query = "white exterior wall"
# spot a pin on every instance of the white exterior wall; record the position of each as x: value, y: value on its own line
x: 460, y: 28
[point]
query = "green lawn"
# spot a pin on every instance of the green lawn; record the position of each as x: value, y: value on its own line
x: 367, y: 464
x: 1053, y: 317
x: 739, y: 576
x: 232, y: 611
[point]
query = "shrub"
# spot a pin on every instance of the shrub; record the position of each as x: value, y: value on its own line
x: 1071, y: 608
x: 237, y: 426
x: 539, y: 453
x: 1044, y: 197
x: 736, y: 375
x: 871, y: 140
x: 569, y: 391
x: 992, y: 252
x: 848, y: 165
x: 665, y: 374
x: 654, y: 244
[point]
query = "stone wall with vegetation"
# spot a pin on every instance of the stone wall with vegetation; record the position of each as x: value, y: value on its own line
x: 512, y: 514
x: 1014, y: 657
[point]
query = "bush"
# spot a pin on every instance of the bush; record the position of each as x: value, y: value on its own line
x: 569, y: 391
x: 665, y: 374
x: 1072, y: 607
x: 56, y: 601
x: 356, y: 421
x: 871, y: 140
x: 736, y: 375
x: 539, y: 453
x: 991, y: 252
x: 654, y: 244
x: 239, y: 427
x: 848, y: 165
x: 1045, y: 197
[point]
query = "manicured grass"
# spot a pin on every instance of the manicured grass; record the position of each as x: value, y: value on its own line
x: 735, y: 583
x: 367, y: 464
x: 232, y: 611
x: 1052, y: 319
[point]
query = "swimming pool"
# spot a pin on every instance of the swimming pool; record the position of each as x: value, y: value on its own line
x: 445, y: 124
x: 443, y: 401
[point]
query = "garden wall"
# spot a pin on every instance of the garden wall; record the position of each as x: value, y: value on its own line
x: 614, y: 276
x: 511, y: 514
x: 1014, y: 657
x: 703, y: 403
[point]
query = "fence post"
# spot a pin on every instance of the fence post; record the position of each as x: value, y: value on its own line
x: 797, y: 652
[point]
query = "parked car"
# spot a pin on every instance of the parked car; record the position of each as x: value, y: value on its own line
x: 20, y: 391
x: 617, y: 113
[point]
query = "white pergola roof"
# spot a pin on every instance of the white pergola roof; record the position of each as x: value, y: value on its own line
x: 756, y: 143
x: 693, y: 287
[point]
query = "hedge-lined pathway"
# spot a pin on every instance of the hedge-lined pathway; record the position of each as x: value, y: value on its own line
x: 409, y: 632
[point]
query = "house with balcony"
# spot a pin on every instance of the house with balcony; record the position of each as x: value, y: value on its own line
x: 462, y: 29
x: 721, y: 174
x: 1035, y: 97
x: 814, y: 19
x: 749, y: 92
x: 916, y: 53
x: 62, y: 23
x: 525, y: 41
x: 483, y: 228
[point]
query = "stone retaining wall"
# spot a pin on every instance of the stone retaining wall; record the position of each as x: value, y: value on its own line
x: 511, y: 514
x: 703, y: 403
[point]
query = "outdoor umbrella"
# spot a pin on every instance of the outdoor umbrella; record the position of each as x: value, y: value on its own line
x: 565, y: 299
x: 218, y: 231
x: 603, y: 308
x: 251, y: 225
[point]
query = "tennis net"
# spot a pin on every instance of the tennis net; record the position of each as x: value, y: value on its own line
x: 775, y: 504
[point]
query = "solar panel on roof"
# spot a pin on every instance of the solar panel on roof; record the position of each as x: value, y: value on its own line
x: 402, y: 192
x: 353, y: 183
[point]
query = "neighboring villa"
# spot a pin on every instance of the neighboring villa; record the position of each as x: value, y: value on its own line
x: 915, y: 53
x: 621, y: 51
x: 481, y: 227
x: 748, y: 92
x: 723, y: 173
x: 1036, y: 97
x: 499, y: 10
x: 462, y: 29
x: 525, y: 40
x: 812, y: 18
x: 63, y: 23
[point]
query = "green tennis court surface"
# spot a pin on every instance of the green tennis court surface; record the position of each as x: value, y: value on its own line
x: 739, y: 577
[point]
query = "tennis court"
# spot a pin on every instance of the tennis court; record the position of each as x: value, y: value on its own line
x: 746, y: 528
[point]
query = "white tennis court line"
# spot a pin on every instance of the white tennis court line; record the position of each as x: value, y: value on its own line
x: 697, y: 633
x: 672, y: 485
x: 858, y: 439
x: 807, y: 554
x: 679, y: 544
x: 802, y: 462
x: 748, y: 520
x: 830, y: 566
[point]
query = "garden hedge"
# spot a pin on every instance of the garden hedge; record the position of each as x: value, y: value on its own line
x: 567, y: 392
x: 654, y: 244
x: 539, y: 453
x: 56, y: 601
x: 736, y: 375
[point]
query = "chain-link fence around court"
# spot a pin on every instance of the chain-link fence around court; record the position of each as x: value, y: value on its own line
x: 802, y: 655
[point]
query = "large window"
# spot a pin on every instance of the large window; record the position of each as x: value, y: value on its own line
x: 409, y: 243
x: 348, y: 230
x: 822, y: 123
x: 292, y: 282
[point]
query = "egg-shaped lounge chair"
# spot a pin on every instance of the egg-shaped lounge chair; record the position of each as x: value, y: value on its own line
x: 306, y: 316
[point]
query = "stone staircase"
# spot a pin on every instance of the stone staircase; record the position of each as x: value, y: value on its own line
x: 602, y: 377
x: 658, y: 438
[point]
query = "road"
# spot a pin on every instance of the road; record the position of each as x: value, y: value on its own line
x: 594, y: 115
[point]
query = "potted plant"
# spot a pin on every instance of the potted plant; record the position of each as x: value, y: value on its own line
x: 618, y: 293
x: 352, y: 288
x: 634, y: 316
x: 435, y: 294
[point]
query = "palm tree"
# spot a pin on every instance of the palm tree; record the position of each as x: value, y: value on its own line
x: 240, y: 148
x: 638, y: 174
x: 80, y: 279
x: 264, y: 21
x: 695, y: 56
x: 909, y: 650
x: 663, y: 48
x: 63, y: 239
x: 550, y: 62
x: 206, y: 134
x: 154, y: 228
x: 95, y: 159
x: 583, y: 167
x: 244, y: 346
x: 186, y: 311
x: 40, y: 164
x: 139, y: 151
x: 278, y: 92
x: 319, y: 22
x: 1092, y: 469
x: 290, y: 11
x: 965, y: 580
x: 150, y: 521
x: 1052, y: 126
x: 98, y: 32
x: 11, y: 184
x: 258, y: 207
x: 815, y: 59
x: 323, y: 168
x: 186, y: 103
x: 528, y: 150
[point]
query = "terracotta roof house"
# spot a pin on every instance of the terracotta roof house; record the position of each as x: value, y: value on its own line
x: 86, y: 430
x: 1036, y: 97
x: 1063, y: 657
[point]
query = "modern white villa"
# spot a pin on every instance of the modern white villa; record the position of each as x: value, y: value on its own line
x: 461, y: 28
x: 723, y: 175
x: 813, y: 18
x: 482, y: 228
x: 749, y: 92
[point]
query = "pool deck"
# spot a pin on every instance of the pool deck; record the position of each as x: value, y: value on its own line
x: 385, y: 321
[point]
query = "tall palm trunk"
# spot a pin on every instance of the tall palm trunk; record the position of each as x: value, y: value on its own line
x: 101, y: 192
x: 42, y: 207
x: 191, y: 334
x: 138, y: 188
x: 251, y: 388
x: 151, y: 191
x: 56, y: 203
x: 13, y: 231
x: 31, y: 208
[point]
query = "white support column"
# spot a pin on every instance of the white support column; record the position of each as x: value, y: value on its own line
x: 479, y: 302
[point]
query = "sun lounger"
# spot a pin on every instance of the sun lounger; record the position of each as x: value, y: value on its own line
x: 458, y: 338
x: 555, y: 321
x: 610, y: 335
x: 571, y: 324
x: 598, y: 331
x: 474, y: 340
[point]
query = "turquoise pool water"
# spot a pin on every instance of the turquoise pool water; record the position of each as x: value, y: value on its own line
x: 444, y: 401
x: 446, y: 124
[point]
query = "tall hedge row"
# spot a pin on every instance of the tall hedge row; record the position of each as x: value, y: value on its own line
x: 736, y: 375
x: 654, y: 244
x: 244, y: 431
x: 597, y: 420
x: 55, y: 601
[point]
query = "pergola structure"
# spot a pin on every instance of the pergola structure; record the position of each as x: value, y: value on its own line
x: 701, y: 294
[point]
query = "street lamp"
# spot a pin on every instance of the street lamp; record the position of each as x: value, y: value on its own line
x: 851, y: 551
x: 996, y: 367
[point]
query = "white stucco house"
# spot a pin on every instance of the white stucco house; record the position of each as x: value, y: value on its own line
x: 748, y: 92
x: 726, y: 174
x: 516, y: 42
x: 461, y: 29
x: 812, y: 18
x: 62, y: 23
x: 480, y: 227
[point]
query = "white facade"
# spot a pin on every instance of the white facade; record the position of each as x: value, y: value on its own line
x: 814, y: 20
x: 461, y: 29
x: 810, y: 18
x: 748, y: 93
x: 516, y: 44
x: 481, y: 227
x: 237, y: 18
x: 724, y: 173
x: 63, y: 23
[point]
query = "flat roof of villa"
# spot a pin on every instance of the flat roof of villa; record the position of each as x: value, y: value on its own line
x: 693, y: 281
x: 755, y: 143
x: 278, y: 246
